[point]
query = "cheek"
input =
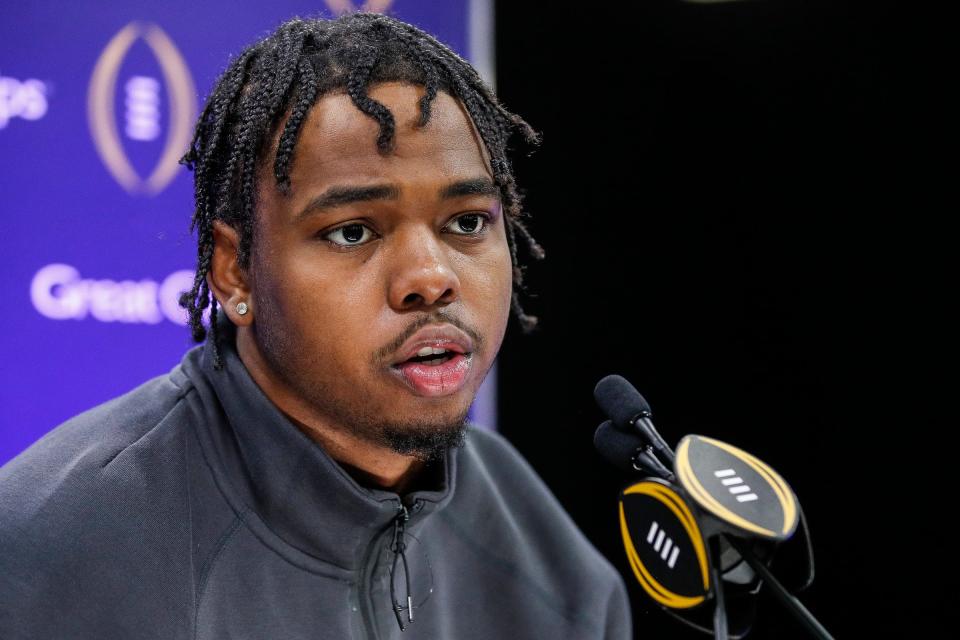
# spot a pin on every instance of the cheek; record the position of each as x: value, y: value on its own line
x: 319, y: 307
x: 490, y: 278
x: 503, y: 275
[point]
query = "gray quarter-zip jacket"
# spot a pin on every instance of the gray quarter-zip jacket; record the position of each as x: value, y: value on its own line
x: 191, y: 508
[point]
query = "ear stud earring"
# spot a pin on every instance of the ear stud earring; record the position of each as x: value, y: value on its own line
x: 242, y: 308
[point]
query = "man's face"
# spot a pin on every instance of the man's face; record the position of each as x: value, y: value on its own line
x: 376, y: 258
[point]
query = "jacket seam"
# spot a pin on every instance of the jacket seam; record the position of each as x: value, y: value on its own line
x: 176, y: 403
x: 242, y: 510
x: 209, y: 565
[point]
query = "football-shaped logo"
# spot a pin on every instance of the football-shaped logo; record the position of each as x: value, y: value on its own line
x: 736, y: 487
x: 664, y: 544
x: 143, y: 108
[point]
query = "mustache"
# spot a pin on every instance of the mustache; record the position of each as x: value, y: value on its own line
x: 438, y: 317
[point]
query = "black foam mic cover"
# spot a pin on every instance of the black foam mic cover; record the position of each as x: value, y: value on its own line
x: 628, y: 451
x: 630, y: 412
x: 617, y: 447
x: 620, y: 400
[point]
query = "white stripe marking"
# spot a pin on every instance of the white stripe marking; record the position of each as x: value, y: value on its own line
x: 750, y: 497
x: 673, y: 558
x: 666, y: 549
x: 741, y: 489
x: 656, y: 545
x: 653, y: 532
x: 730, y: 481
x: 724, y: 473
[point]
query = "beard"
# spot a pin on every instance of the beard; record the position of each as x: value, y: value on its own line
x: 426, y: 438
x: 426, y: 442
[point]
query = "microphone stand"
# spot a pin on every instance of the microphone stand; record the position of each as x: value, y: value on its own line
x: 720, y: 626
x: 618, y: 398
x: 792, y: 604
x: 720, y: 631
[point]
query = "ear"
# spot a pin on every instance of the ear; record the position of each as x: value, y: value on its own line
x: 227, y: 280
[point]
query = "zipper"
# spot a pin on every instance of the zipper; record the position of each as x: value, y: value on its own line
x: 399, y: 548
x: 397, y: 545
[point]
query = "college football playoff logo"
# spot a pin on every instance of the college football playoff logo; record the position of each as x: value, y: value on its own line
x: 143, y: 108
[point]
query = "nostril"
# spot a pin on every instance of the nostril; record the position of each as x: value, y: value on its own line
x: 414, y: 299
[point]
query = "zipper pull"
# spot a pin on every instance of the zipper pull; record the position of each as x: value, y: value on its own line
x: 399, y: 547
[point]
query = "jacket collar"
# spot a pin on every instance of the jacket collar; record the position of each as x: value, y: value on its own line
x: 299, y: 492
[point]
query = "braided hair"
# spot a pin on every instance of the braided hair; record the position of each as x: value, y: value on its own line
x: 284, y: 75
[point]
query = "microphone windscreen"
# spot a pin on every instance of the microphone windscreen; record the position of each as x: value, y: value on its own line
x: 620, y: 400
x: 617, y: 447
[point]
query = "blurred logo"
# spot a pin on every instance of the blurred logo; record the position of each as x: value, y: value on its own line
x: 25, y: 99
x: 142, y: 101
x: 347, y: 6
x: 59, y: 293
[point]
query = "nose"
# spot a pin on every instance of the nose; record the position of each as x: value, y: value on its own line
x: 421, y: 276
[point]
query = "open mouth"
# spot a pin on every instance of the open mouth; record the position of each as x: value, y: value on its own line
x: 435, y: 361
x: 435, y: 371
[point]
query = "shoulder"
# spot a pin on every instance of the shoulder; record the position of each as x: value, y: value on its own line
x: 108, y: 458
x: 92, y: 439
x: 509, y: 501
x: 95, y: 509
x: 497, y: 469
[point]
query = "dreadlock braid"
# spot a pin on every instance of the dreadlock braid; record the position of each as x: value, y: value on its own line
x: 279, y: 79
x: 207, y: 139
x: 357, y: 90
x: 430, y: 72
x: 291, y: 46
x: 308, y: 93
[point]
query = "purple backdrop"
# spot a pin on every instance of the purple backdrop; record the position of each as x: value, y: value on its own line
x: 97, y: 102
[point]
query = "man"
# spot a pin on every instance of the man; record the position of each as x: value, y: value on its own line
x: 308, y: 473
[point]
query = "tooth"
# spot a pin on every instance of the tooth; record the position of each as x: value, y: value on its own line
x: 430, y: 351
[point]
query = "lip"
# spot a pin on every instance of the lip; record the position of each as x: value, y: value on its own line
x: 435, y: 380
x: 439, y: 337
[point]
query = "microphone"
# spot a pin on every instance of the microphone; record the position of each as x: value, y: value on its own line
x: 628, y: 452
x: 708, y: 525
x: 630, y: 412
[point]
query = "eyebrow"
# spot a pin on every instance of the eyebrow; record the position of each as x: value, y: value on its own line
x: 472, y: 187
x: 341, y: 195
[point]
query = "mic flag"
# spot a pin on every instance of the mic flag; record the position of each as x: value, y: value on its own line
x: 670, y: 555
x: 664, y: 544
x: 708, y: 537
x: 736, y: 488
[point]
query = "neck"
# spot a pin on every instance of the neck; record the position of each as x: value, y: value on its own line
x: 369, y: 463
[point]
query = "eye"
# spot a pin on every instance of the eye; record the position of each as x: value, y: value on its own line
x: 350, y: 235
x: 469, y: 224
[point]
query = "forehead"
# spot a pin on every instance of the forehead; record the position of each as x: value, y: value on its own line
x: 338, y: 142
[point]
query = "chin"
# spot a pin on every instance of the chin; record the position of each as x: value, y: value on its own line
x: 422, y: 440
